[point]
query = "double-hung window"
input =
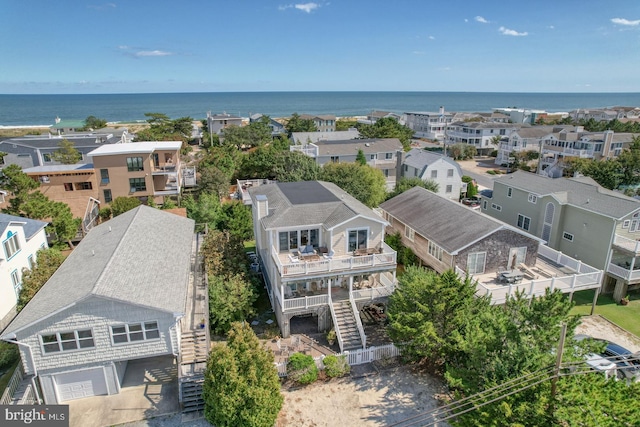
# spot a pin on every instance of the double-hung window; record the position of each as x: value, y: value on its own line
x: 104, y: 176
x: 434, y: 250
x: 11, y: 245
x: 524, y: 222
x: 67, y: 341
x: 133, y: 332
x: 15, y: 280
x: 137, y: 184
x: 409, y: 232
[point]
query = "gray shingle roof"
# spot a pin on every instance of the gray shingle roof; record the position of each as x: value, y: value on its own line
x: 420, y: 159
x: 581, y: 192
x: 340, y: 135
x: 449, y: 224
x: 351, y: 147
x: 141, y: 257
x: 31, y: 226
x: 329, y: 211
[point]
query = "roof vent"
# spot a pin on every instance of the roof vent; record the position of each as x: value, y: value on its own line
x: 367, y: 144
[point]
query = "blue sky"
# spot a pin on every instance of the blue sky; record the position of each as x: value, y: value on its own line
x: 133, y: 46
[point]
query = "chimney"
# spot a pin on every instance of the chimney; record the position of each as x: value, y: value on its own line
x: 441, y: 110
x: 262, y: 206
x: 399, y: 167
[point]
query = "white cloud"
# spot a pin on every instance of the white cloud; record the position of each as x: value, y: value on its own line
x: 466, y: 20
x: 152, y: 53
x: 481, y: 20
x: 431, y: 38
x: 509, y: 32
x: 307, y: 7
x: 551, y: 27
x: 622, y: 21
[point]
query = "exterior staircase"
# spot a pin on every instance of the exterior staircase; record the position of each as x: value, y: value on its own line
x: 347, y: 327
x: 193, y: 361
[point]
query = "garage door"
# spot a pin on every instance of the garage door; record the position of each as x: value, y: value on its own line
x: 79, y: 384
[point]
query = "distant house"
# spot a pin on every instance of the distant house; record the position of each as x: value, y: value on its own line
x: 380, y: 153
x: 426, y: 165
x: 277, y: 128
x: 501, y: 258
x: 217, y: 122
x: 66, y: 126
x: 301, y: 138
x: 428, y: 124
x: 597, y: 114
x: 21, y: 238
x: 521, y: 115
x: 37, y: 150
x: 479, y: 134
x: 324, y: 123
x: 376, y: 115
x: 104, y: 308
x: 71, y: 184
x: 150, y: 169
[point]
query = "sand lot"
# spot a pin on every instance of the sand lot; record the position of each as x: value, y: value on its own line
x: 599, y: 327
x: 383, y: 397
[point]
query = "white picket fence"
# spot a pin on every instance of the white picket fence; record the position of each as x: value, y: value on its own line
x: 355, y: 357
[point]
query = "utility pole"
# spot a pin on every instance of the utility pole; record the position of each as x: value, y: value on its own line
x: 556, y: 371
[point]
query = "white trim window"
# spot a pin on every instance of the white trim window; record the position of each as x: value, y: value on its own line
x: 626, y: 223
x: 524, y: 222
x: 11, y: 245
x: 533, y: 198
x: 509, y: 191
x: 409, y: 232
x: 476, y: 262
x: 435, y: 250
x: 67, y: 341
x: 357, y: 239
x: 15, y: 280
x: 496, y: 207
x: 567, y: 236
x: 132, y: 332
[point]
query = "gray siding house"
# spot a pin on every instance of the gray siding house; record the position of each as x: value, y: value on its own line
x: 121, y: 295
x: 433, y: 166
x: 576, y: 216
x: 447, y: 235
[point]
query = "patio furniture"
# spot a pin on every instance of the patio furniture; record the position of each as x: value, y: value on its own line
x: 511, y: 276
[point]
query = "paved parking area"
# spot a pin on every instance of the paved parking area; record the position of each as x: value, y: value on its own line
x: 149, y: 389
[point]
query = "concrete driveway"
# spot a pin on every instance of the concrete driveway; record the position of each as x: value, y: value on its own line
x: 149, y: 389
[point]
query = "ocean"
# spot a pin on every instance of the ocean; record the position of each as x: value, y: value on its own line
x: 25, y: 110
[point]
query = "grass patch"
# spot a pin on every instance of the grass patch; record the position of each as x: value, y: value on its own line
x: 625, y: 316
x: 250, y: 246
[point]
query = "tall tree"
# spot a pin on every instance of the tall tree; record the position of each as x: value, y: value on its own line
x: 92, y: 122
x: 297, y: 124
x: 404, y: 184
x: 241, y: 385
x: 66, y: 153
x: 231, y: 299
x: 365, y: 183
x: 19, y: 184
x: 47, y: 262
x: 387, y: 127
x: 629, y: 161
x: 360, y: 158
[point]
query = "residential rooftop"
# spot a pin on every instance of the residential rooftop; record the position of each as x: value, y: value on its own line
x: 136, y: 147
x: 31, y: 226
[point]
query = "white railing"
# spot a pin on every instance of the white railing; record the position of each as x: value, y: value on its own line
x: 356, y: 314
x: 373, y: 293
x: 305, y: 302
x: 310, y: 150
x: 622, y: 272
x: 536, y: 288
x: 29, y: 397
x: 355, y: 357
x: 341, y: 263
x: 12, y: 386
x: 565, y: 260
x: 335, y: 325
x: 629, y: 244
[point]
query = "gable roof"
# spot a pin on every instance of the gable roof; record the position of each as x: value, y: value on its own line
x: 581, y: 192
x: 294, y: 204
x: 29, y: 226
x: 141, y: 257
x: 449, y: 224
x: 421, y: 159
x: 351, y: 146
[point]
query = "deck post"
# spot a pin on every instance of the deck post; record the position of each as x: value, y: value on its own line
x: 595, y: 299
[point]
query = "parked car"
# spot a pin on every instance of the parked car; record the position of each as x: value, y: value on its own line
x: 628, y: 363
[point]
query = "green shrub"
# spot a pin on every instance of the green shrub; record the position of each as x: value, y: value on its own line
x: 491, y: 172
x: 494, y: 153
x: 302, y: 369
x: 8, y: 354
x: 336, y: 366
x: 105, y: 213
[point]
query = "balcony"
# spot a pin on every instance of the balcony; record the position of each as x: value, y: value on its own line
x: 627, y: 245
x: 324, y: 264
x: 569, y: 152
x: 165, y: 169
x: 625, y: 272
x: 310, y: 149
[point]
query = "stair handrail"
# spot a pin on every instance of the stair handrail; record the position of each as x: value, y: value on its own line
x: 12, y: 386
x: 335, y: 324
x: 356, y: 313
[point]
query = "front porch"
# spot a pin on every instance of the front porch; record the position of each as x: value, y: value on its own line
x: 625, y: 260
